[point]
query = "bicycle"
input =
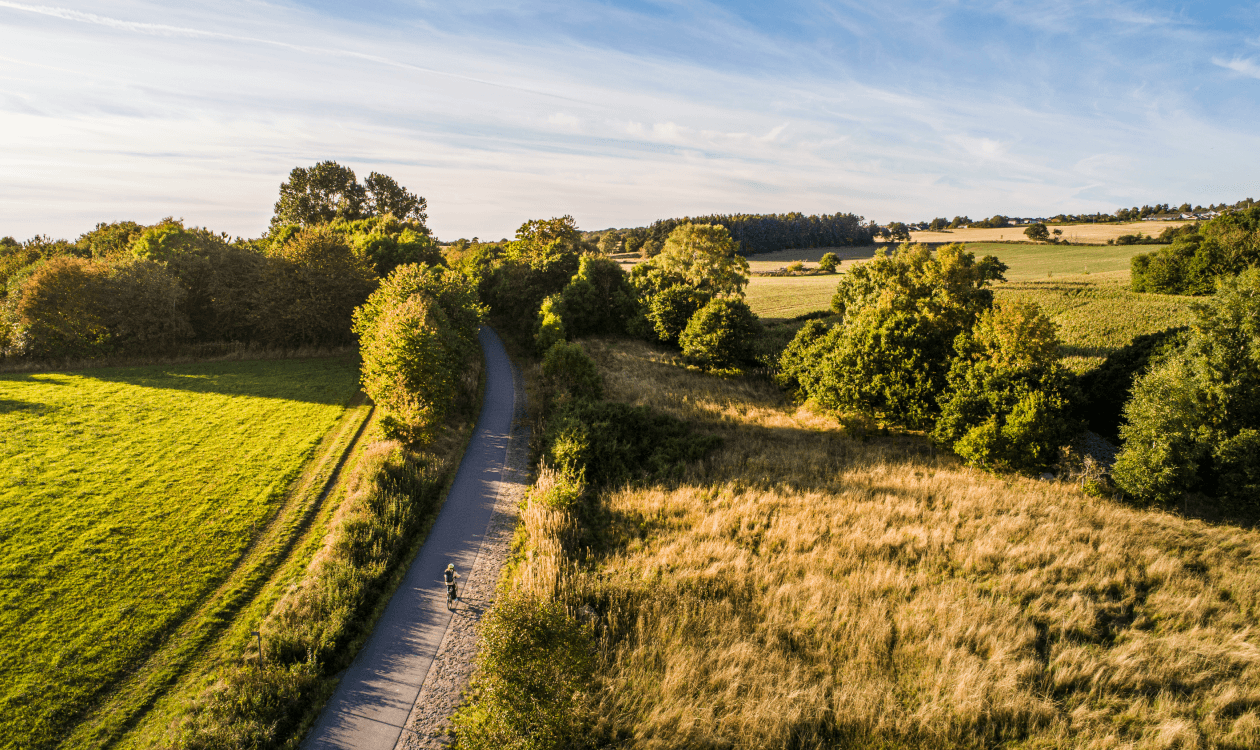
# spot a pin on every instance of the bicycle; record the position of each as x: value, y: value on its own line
x: 451, y: 596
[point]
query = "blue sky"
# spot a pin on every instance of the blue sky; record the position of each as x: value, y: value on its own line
x: 624, y: 112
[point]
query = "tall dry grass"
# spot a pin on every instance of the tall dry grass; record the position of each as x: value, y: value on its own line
x: 802, y: 588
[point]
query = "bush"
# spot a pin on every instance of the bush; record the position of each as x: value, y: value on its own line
x: 706, y: 257
x: 721, y: 334
x: 411, y: 368
x: 828, y: 263
x: 598, y: 300
x: 608, y: 443
x: 1192, y: 417
x: 800, y: 357
x: 452, y: 292
x: 59, y: 310
x: 531, y: 688
x: 143, y: 307
x: 568, y: 372
x: 314, y: 282
x: 671, y: 310
x: 1008, y: 400
x: 1199, y: 254
x: 550, y: 327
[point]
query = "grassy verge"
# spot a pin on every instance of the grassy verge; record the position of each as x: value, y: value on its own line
x: 804, y: 588
x: 128, y: 496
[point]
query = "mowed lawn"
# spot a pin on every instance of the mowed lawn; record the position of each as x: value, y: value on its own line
x: 126, y: 495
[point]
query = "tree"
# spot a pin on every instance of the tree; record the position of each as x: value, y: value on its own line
x: 385, y: 196
x: 598, y: 299
x: 1037, y: 232
x: 939, y: 224
x: 1007, y: 403
x: 898, y: 232
x: 1193, y: 417
x: 329, y: 192
x: 828, y: 263
x: 721, y: 334
x: 318, y: 195
x: 705, y: 256
x: 610, y: 242
x: 901, y: 315
x: 672, y: 309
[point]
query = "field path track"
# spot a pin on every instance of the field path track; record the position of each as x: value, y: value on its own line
x: 378, y: 692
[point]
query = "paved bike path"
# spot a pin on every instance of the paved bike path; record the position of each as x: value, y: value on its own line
x: 376, y: 694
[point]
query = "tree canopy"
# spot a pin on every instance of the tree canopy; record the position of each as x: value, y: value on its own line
x: 328, y: 192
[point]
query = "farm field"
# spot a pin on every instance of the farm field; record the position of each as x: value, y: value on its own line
x: 126, y: 496
x: 1083, y: 233
x: 804, y: 588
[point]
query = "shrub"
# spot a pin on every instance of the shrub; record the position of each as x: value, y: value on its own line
x: 532, y: 686
x: 609, y: 443
x: 453, y: 292
x: 143, y: 307
x: 1008, y: 400
x: 568, y: 372
x: 828, y: 263
x: 1192, y: 417
x: 1199, y: 254
x: 721, y: 334
x: 313, y: 284
x: 901, y: 314
x: 599, y: 299
x: 550, y: 327
x: 411, y: 368
x: 59, y: 310
x: 671, y: 310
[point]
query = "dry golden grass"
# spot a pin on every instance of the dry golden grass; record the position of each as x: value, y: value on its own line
x: 803, y: 588
x: 1097, y: 234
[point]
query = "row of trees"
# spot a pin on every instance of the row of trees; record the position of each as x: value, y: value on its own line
x: 1200, y: 256
x: 753, y: 233
x: 125, y: 288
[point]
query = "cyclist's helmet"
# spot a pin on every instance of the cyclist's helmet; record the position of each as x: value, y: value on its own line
x: 451, y: 566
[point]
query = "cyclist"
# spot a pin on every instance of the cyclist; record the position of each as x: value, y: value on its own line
x: 450, y: 575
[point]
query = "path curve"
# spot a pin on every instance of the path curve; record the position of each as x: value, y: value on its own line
x: 377, y: 693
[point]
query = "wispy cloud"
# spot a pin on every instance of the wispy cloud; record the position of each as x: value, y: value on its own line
x: 1247, y: 67
x: 621, y: 113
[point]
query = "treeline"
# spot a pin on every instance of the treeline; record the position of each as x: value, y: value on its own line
x: 1200, y: 255
x: 754, y: 233
x: 127, y: 289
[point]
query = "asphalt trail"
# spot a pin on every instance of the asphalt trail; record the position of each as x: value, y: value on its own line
x: 377, y: 692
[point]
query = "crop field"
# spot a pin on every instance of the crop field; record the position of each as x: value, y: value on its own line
x: 808, y: 587
x: 126, y: 496
x: 1084, y: 233
x: 789, y: 296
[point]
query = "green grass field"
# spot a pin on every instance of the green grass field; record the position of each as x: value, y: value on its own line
x: 126, y: 496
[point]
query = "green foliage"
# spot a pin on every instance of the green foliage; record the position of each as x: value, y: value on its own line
x: 598, y: 300
x: 314, y: 282
x: 532, y: 684
x: 453, y: 292
x: 129, y: 495
x: 550, y: 328
x: 1224, y: 246
x: 1190, y: 419
x: 1037, y: 232
x: 828, y: 263
x: 568, y: 372
x: 1008, y: 398
x: 59, y: 311
x: 705, y: 257
x: 411, y: 367
x: 670, y: 310
x: 796, y: 363
x: 721, y: 334
x: 1106, y: 388
x: 609, y: 443
x: 889, y: 357
x: 609, y: 243
x: 328, y: 192
x: 537, y: 264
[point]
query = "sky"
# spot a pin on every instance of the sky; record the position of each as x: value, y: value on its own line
x: 621, y: 113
